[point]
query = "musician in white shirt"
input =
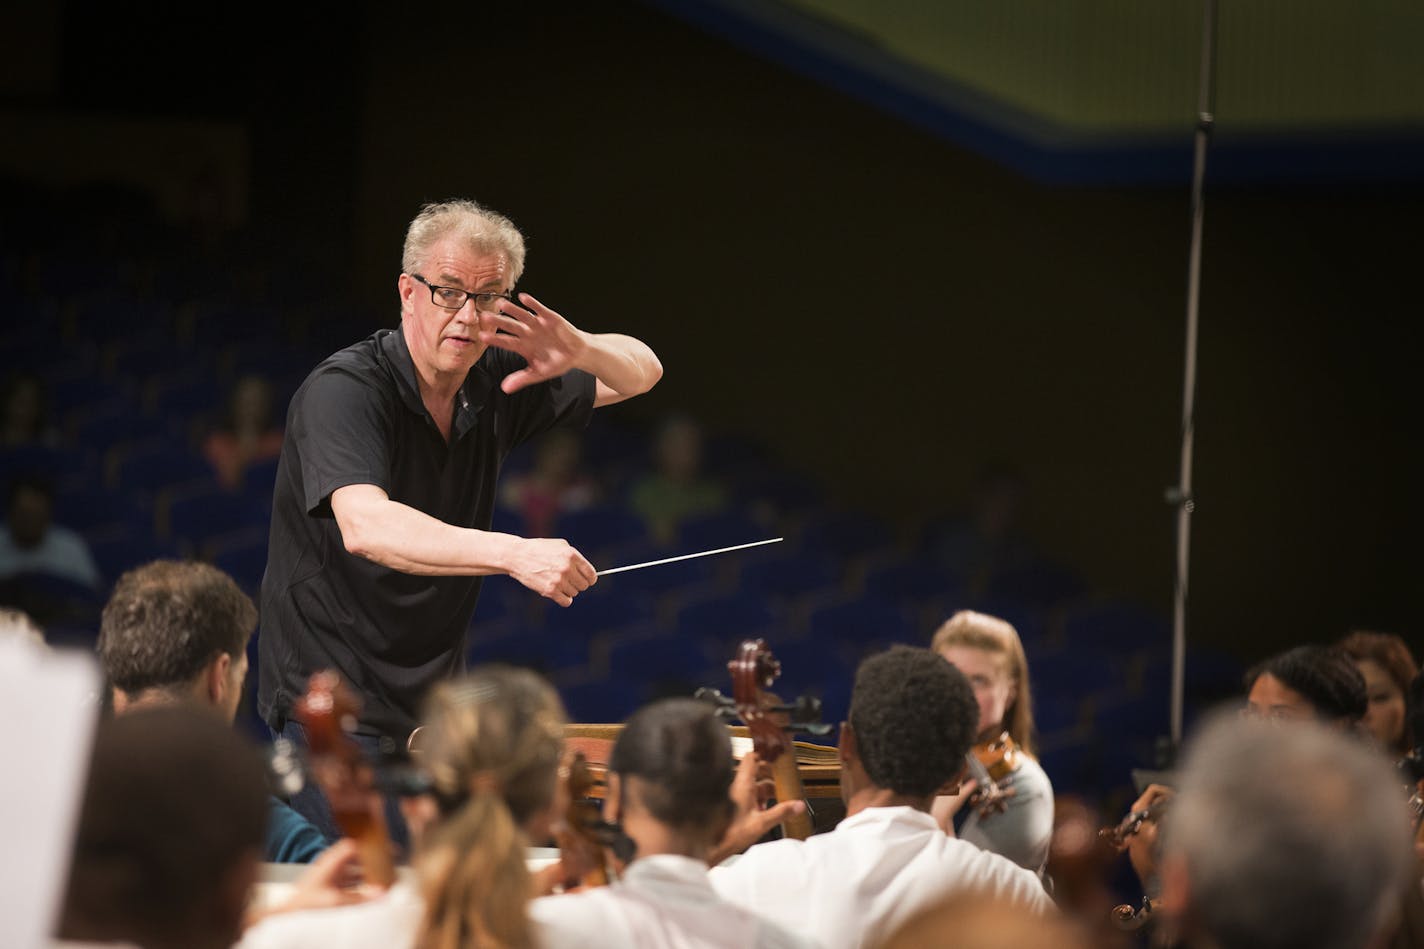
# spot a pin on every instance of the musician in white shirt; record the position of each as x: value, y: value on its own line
x: 912, y: 719
x: 491, y: 744
x: 668, y: 797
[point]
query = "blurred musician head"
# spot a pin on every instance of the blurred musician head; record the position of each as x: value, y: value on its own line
x: 176, y: 631
x: 1388, y: 667
x: 913, y: 718
x: 988, y: 651
x: 1283, y: 837
x: 170, y: 833
x: 976, y: 922
x: 491, y: 744
x: 669, y: 777
x: 1308, y: 682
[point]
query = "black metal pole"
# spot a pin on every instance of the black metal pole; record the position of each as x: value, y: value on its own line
x: 1181, y: 496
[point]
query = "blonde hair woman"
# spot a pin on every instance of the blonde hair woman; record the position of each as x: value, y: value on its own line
x: 490, y: 745
x: 989, y: 653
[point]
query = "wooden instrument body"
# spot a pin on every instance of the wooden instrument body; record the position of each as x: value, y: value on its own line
x: 328, y: 712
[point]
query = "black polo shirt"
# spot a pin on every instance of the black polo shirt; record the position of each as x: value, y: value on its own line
x: 358, y: 419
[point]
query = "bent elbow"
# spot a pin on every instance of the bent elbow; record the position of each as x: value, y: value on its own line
x: 356, y: 540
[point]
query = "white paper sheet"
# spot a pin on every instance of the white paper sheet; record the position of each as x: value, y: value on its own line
x: 48, y: 710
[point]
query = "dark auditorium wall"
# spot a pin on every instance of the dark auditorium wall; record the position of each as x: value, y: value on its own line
x: 893, y: 313
x: 882, y: 308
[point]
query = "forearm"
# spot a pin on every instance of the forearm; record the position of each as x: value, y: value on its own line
x: 402, y: 538
x: 625, y: 365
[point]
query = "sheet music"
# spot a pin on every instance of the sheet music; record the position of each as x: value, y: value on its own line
x: 48, y: 709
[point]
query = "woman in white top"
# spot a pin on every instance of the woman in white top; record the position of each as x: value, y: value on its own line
x: 668, y: 799
x: 989, y: 653
x: 491, y: 745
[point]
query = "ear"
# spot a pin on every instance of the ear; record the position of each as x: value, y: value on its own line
x: 405, y: 290
x: 419, y: 813
x: 215, y: 678
x: 612, y: 798
x: 846, y: 749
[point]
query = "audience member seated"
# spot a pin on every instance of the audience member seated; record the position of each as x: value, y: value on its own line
x: 966, y: 922
x: 170, y: 834
x: 678, y: 489
x: 988, y: 541
x: 247, y: 433
x: 1308, y: 682
x: 669, y: 779
x: 989, y: 653
x: 24, y: 414
x: 31, y: 543
x: 1388, y: 668
x: 554, y: 486
x: 912, y: 720
x: 1284, y: 838
x: 490, y: 745
x: 177, y: 632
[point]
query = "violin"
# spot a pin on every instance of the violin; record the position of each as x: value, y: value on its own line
x: 1122, y: 836
x: 329, y: 712
x: 990, y: 762
x: 1122, y: 833
x: 771, y: 723
x: 583, y: 834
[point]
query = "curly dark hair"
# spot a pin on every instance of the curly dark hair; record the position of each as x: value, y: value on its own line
x: 684, y: 756
x: 168, y: 619
x: 914, y: 717
x: 1325, y: 675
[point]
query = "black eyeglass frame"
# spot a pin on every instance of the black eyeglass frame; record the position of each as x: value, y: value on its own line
x: 489, y: 296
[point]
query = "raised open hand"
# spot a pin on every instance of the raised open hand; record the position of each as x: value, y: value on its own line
x: 550, y: 344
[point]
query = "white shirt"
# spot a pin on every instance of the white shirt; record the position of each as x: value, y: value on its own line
x: 662, y: 902
x: 852, y: 886
x: 387, y: 922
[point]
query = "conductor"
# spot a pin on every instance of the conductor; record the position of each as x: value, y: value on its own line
x: 385, y: 488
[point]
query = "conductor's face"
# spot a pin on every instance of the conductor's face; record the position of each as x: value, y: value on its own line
x: 445, y: 304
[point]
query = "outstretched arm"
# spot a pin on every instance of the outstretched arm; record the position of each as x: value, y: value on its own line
x: 551, y: 345
x: 398, y: 536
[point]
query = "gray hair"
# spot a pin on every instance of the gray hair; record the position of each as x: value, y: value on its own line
x: 1290, y: 836
x: 481, y: 229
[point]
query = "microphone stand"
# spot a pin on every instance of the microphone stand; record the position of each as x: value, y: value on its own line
x: 1181, y: 495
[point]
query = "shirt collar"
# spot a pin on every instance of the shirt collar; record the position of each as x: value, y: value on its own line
x: 879, y: 817
x: 470, y: 397
x: 665, y: 870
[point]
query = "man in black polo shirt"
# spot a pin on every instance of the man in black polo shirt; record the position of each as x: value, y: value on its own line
x: 386, y: 484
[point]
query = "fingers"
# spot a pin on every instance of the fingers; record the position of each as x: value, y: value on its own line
x: 585, y: 570
x: 528, y: 300
x: 503, y: 329
x: 744, y: 783
x: 517, y: 380
x: 779, y: 812
x: 333, y: 862
x: 1153, y: 794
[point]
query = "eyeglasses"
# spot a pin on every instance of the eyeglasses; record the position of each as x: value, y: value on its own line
x: 452, y: 298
